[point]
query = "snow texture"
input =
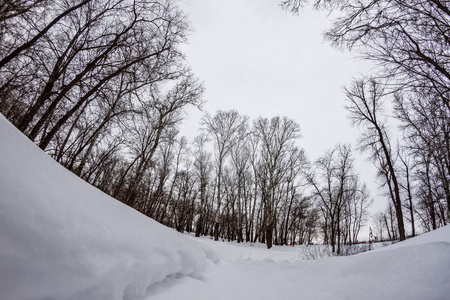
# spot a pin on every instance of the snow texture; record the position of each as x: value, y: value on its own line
x: 61, y: 238
x: 420, y: 270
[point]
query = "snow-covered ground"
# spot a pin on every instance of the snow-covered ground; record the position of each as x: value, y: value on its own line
x: 419, y: 270
x: 63, y: 239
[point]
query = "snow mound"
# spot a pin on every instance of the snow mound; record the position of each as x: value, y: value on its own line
x: 416, y: 269
x: 61, y: 238
x: 436, y: 236
x: 419, y: 271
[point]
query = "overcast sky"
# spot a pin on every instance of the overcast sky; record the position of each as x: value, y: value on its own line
x: 262, y: 61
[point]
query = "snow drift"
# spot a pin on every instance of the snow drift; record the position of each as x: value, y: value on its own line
x: 416, y: 269
x: 61, y: 238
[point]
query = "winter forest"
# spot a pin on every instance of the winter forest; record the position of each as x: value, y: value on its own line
x: 102, y: 87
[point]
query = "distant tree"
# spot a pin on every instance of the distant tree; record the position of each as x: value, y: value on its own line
x: 304, y: 220
x: 226, y: 128
x: 339, y: 195
x: 293, y: 181
x: 385, y: 223
x: 240, y: 162
x: 202, y: 168
x: 167, y: 155
x: 355, y: 210
x: 277, y: 137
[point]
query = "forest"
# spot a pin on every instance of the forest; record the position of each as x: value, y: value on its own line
x: 102, y: 87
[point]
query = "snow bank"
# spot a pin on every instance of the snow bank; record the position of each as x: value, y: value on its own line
x: 416, y: 269
x: 421, y: 271
x: 436, y: 236
x: 61, y: 238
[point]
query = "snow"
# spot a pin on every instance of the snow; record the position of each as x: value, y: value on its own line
x: 420, y: 271
x: 64, y: 239
x: 61, y: 238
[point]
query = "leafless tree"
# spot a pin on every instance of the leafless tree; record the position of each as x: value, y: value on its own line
x: 86, y: 52
x: 336, y: 188
x: 408, y: 41
x: 407, y: 188
x: 159, y: 116
x: 356, y: 208
x: 365, y: 107
x: 14, y: 11
x: 277, y: 136
x: 426, y: 128
x: 203, y: 168
x: 226, y: 128
x: 240, y: 161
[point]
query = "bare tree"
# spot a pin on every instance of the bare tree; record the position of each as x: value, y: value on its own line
x: 409, y: 43
x: 86, y: 53
x: 16, y: 9
x: 240, y: 158
x: 297, y: 162
x: 336, y: 188
x: 356, y: 212
x: 158, y: 117
x: 365, y: 106
x: 385, y: 221
x: 226, y: 128
x: 203, y: 169
x: 406, y: 185
x: 426, y: 128
x: 408, y: 39
x: 277, y: 136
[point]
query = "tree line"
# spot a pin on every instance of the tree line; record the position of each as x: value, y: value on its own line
x: 96, y: 84
x: 101, y: 86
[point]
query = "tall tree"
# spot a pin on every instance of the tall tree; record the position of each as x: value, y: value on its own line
x: 203, y: 169
x: 161, y: 115
x: 426, y: 128
x: 226, y: 128
x: 408, y: 41
x: 335, y: 186
x: 365, y: 106
x: 277, y: 136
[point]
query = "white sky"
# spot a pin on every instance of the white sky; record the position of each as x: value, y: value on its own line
x: 262, y: 61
